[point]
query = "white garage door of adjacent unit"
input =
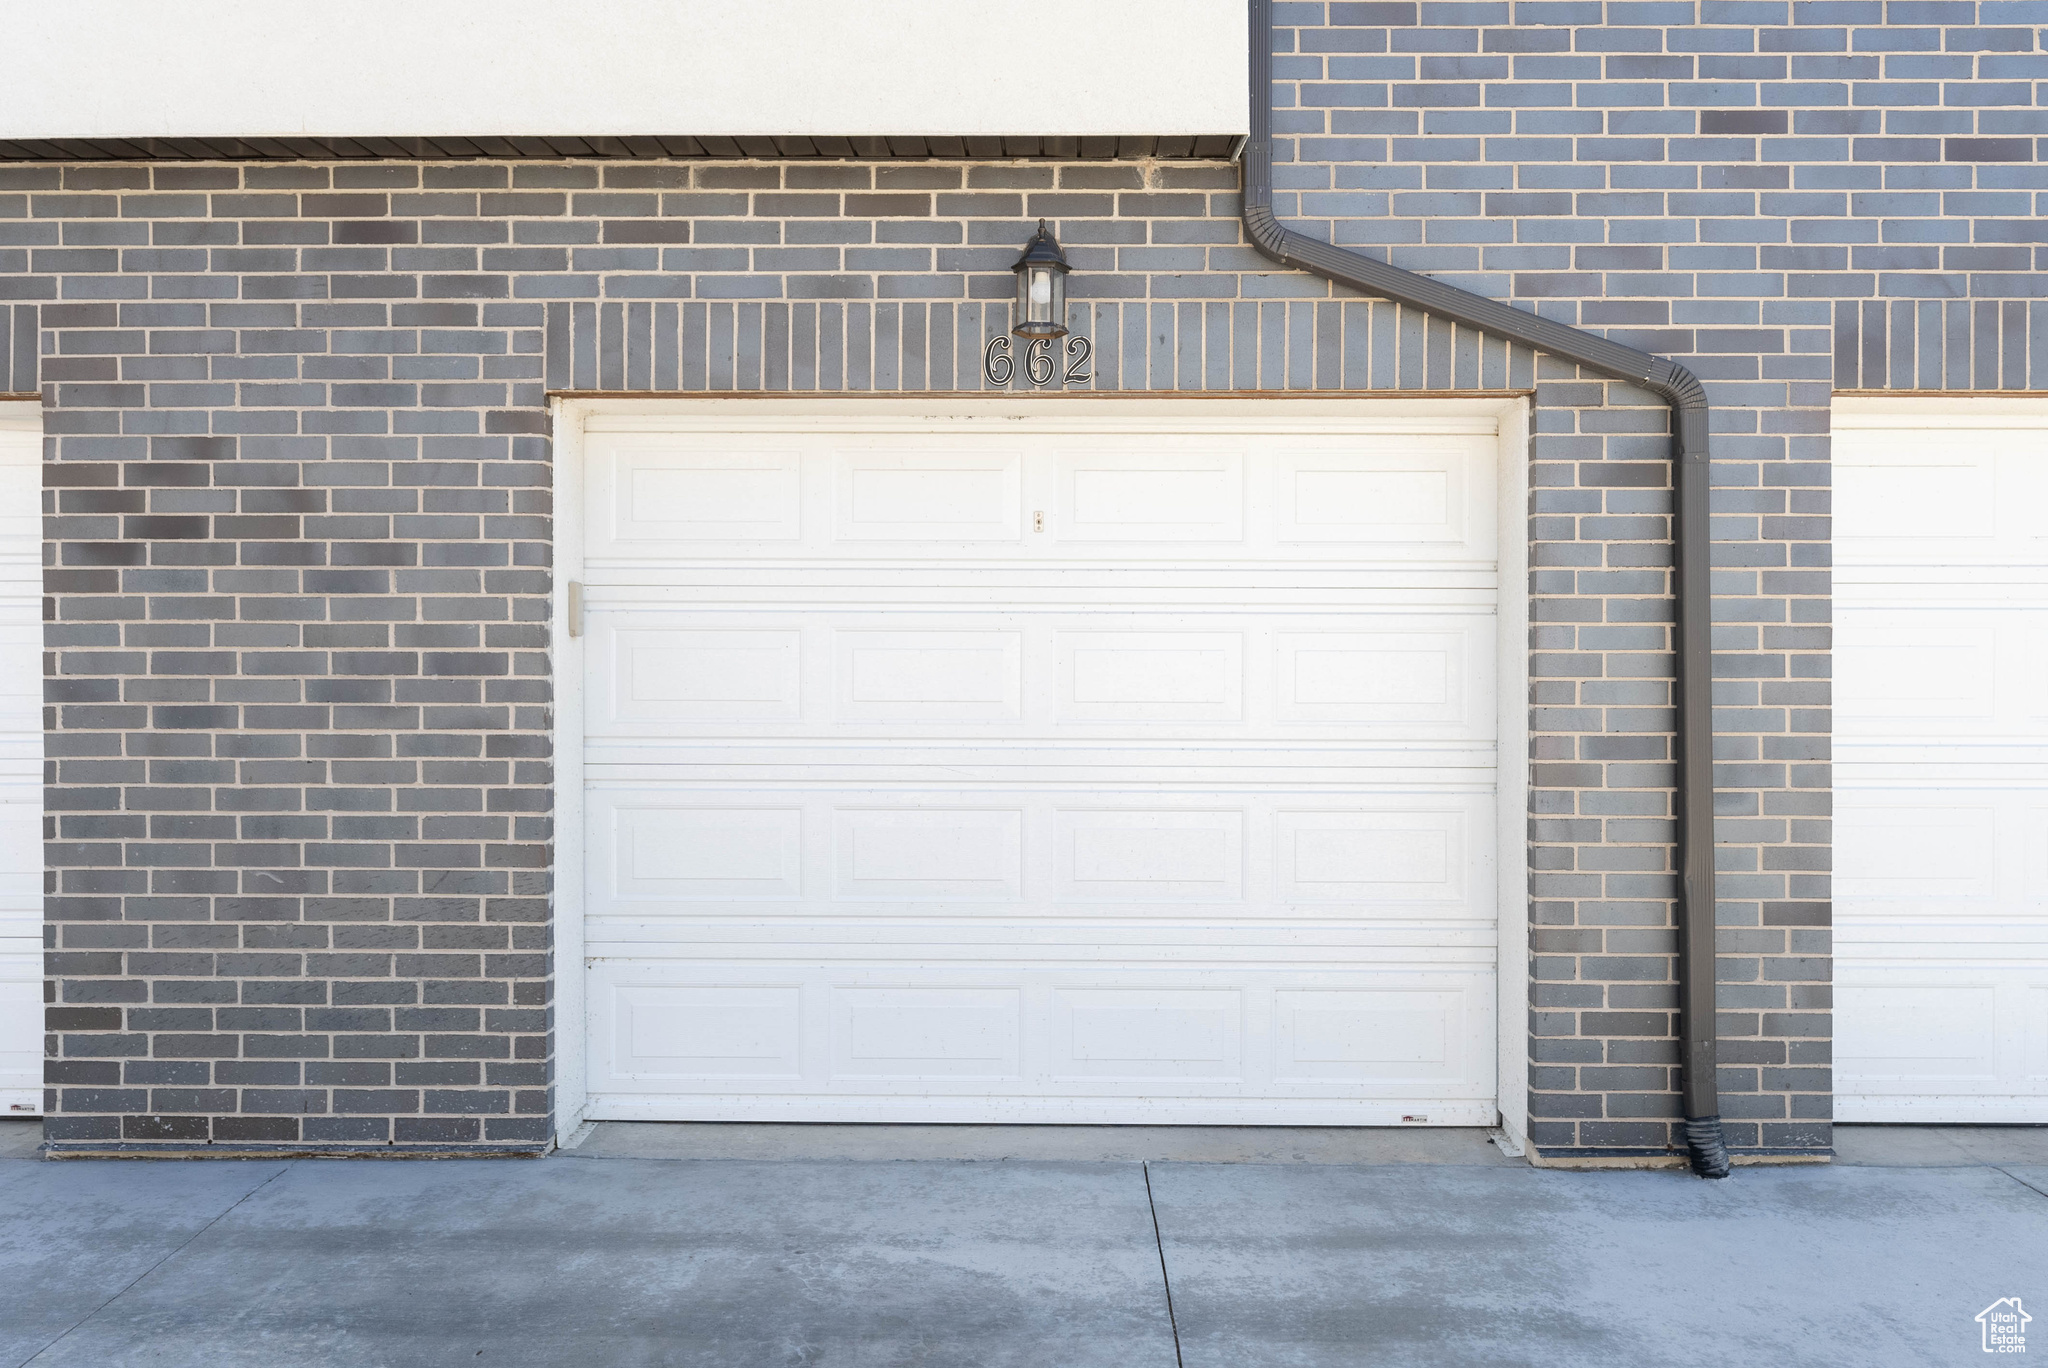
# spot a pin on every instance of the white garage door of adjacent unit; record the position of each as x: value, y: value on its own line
x: 21, y: 759
x: 1941, y: 707
x: 1086, y: 770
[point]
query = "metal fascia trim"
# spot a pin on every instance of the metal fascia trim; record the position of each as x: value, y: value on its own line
x: 1688, y: 399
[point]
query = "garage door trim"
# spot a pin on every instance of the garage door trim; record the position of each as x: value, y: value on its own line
x: 21, y: 761
x: 1505, y: 418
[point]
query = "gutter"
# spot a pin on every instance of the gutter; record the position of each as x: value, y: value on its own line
x: 1689, y: 456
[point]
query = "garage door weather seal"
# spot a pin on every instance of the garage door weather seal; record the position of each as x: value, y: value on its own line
x: 1683, y: 391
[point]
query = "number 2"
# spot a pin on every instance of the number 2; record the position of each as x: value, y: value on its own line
x: 1079, y: 349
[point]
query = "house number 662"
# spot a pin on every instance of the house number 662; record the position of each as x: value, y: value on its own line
x: 999, y: 366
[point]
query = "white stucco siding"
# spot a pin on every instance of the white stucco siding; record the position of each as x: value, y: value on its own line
x: 399, y: 68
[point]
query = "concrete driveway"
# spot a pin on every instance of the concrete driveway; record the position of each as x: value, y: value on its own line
x: 1071, y: 1247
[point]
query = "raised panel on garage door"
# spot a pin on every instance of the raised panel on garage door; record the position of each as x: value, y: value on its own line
x: 1071, y: 774
x: 1941, y: 831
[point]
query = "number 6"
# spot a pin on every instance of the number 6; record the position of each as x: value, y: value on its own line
x: 996, y: 363
x: 1038, y: 361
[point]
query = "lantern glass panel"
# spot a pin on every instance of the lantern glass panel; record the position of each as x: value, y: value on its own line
x: 1041, y: 294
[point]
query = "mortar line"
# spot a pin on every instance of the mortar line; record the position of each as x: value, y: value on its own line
x: 288, y: 1165
x: 1166, y: 1282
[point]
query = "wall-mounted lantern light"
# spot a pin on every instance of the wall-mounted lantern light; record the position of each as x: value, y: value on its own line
x: 1041, y: 287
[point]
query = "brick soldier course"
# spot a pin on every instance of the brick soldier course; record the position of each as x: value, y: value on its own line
x: 299, y: 533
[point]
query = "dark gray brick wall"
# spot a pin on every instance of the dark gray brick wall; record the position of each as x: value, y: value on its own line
x: 298, y: 525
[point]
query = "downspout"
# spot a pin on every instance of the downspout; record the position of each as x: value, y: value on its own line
x: 1688, y: 399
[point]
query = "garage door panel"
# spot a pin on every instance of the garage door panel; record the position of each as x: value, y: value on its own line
x: 666, y: 496
x: 1137, y: 854
x: 662, y: 1032
x: 663, y: 852
x: 1148, y: 496
x: 928, y: 854
x: 2035, y: 1028
x: 1136, y: 936
x: 1927, y: 849
x: 1386, y: 1035
x: 929, y: 496
x: 1901, y: 491
x: 1044, y: 1043
x: 1395, y: 765
x: 1915, y: 1031
x: 918, y: 1035
x: 1386, y: 677
x: 1025, y: 672
x: 1927, y: 1040
x: 1942, y: 850
x: 681, y: 678
x: 1921, y: 497
x: 1013, y: 773
x: 1405, y: 857
x: 657, y: 500
x: 1422, y: 499
x: 21, y: 1023
x: 1940, y: 668
x: 1148, y: 1035
x: 2034, y: 854
x: 21, y: 834
x: 1148, y: 676
x: 1205, y: 585
x: 1942, y: 787
x: 1936, y: 670
x: 933, y: 676
x: 21, y: 692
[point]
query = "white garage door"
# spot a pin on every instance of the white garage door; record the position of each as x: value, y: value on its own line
x: 1941, y: 540
x: 1067, y: 769
x: 21, y: 760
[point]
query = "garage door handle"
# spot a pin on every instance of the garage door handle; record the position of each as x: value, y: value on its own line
x: 575, y: 608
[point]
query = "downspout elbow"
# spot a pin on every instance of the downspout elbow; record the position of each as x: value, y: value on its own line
x: 1682, y: 389
x: 1677, y: 384
x: 1265, y: 231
